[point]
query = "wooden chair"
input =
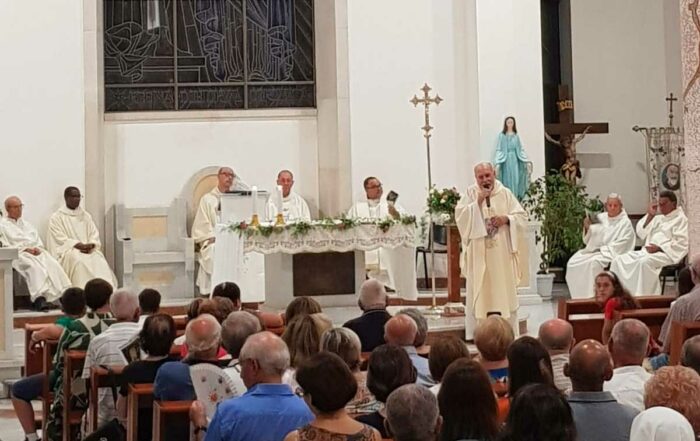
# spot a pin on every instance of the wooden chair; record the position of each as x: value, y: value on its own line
x: 48, y: 350
x: 169, y: 412
x: 73, y: 364
x: 33, y: 362
x: 99, y: 378
x: 680, y: 332
x: 140, y: 397
x: 671, y: 272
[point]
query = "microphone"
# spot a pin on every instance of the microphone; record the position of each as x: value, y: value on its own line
x: 488, y: 201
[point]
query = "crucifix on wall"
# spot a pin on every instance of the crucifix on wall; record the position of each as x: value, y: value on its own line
x: 570, y: 134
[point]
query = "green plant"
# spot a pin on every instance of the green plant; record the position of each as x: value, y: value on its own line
x: 560, y: 207
x: 442, y: 203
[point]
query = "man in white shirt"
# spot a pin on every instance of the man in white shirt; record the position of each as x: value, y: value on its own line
x: 293, y: 207
x: 235, y: 330
x: 628, y: 346
x: 611, y: 236
x: 557, y: 336
x: 665, y: 231
x: 45, y: 278
x: 106, y: 348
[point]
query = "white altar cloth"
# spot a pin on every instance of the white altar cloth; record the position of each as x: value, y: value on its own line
x: 399, y: 243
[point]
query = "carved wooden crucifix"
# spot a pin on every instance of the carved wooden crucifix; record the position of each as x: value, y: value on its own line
x: 570, y: 133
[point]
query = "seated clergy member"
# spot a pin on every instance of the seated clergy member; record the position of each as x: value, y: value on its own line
x: 45, y: 278
x: 610, y: 237
x: 74, y: 240
x: 294, y: 207
x: 205, y: 221
x: 666, y: 243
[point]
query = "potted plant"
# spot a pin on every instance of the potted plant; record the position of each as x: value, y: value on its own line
x: 442, y: 203
x: 559, y: 206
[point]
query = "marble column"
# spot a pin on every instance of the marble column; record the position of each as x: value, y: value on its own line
x: 690, y: 48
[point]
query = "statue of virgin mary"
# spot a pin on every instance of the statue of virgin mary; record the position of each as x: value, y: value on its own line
x: 512, y: 164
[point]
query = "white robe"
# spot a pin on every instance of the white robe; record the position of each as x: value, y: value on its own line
x: 375, y: 260
x: 203, y: 231
x: 43, y: 273
x: 491, y: 265
x: 604, y: 241
x: 69, y: 227
x: 294, y: 208
x: 639, y: 271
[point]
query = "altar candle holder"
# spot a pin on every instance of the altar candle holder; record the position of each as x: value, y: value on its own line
x: 279, y: 219
x: 255, y: 221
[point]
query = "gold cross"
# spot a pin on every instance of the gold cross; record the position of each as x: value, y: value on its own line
x: 426, y: 101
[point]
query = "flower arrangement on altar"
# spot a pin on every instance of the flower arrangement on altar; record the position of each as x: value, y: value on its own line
x: 442, y: 203
x: 301, y: 228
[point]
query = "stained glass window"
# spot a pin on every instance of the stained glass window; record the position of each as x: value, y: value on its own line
x: 208, y: 54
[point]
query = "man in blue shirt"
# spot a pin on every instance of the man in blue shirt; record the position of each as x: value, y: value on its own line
x: 269, y: 410
x: 401, y: 331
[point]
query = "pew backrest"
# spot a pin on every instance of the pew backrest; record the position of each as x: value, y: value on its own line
x: 680, y: 332
x: 165, y: 412
x: 99, y: 378
x: 140, y: 397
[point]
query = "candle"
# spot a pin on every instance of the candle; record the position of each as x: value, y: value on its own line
x: 279, y: 198
x: 255, y: 199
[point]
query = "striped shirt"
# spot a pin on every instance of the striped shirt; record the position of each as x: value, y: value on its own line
x: 561, y: 381
x: 106, y: 349
x: 686, y: 308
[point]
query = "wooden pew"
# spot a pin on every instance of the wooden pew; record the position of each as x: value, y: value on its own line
x: 680, y: 332
x: 32, y: 361
x: 100, y: 378
x: 140, y: 397
x: 652, y: 317
x: 73, y: 364
x: 48, y: 351
x: 168, y: 412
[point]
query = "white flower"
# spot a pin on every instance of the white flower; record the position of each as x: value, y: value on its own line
x: 440, y: 191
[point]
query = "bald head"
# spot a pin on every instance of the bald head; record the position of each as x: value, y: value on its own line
x: 13, y: 207
x: 557, y: 336
x: 629, y: 343
x: 400, y: 330
x: 483, y: 166
x: 372, y: 295
x: 589, y: 366
x: 124, y: 305
x: 202, y: 336
x: 690, y: 355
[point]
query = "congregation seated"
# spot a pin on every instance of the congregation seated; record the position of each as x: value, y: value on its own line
x: 629, y: 345
x: 346, y: 344
x: 442, y: 353
x: 492, y: 338
x: 269, y: 410
x: 107, y: 348
x: 235, y: 330
x: 422, y: 329
x: 329, y: 386
x: 301, y: 306
x: 31, y: 388
x: 557, y: 337
x: 229, y: 290
x: 612, y: 296
x: 664, y: 229
x: 528, y: 362
x: 203, y: 338
x: 370, y: 325
x: 539, y: 411
x: 388, y: 369
x: 661, y: 424
x: 217, y: 307
x: 467, y: 402
x: 690, y: 354
x: 303, y: 339
x: 155, y: 340
x: 597, y: 413
x: 44, y: 276
x: 401, y: 330
x: 611, y: 235
x: 73, y: 238
x: 77, y: 336
x: 686, y: 308
x: 678, y: 388
x: 149, y: 304
x: 412, y: 414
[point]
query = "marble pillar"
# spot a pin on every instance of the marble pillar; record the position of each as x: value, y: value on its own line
x: 690, y: 48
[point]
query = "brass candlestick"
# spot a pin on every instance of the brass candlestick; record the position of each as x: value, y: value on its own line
x: 255, y: 221
x: 279, y: 220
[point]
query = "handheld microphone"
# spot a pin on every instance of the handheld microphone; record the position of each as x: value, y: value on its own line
x: 488, y: 201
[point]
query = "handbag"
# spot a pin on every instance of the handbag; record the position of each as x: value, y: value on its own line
x: 112, y: 430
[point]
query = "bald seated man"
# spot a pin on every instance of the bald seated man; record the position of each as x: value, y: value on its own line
x: 370, y: 325
x: 205, y: 221
x: 597, y: 414
x: 401, y: 330
x: 690, y: 354
x: 203, y: 338
x: 557, y: 336
x: 45, y: 277
x: 106, y: 349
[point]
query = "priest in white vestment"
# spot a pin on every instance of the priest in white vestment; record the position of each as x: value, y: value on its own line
x: 610, y: 237
x: 293, y: 207
x: 490, y: 220
x: 664, y: 230
x: 374, y: 207
x: 43, y: 274
x: 74, y: 240
x: 205, y: 220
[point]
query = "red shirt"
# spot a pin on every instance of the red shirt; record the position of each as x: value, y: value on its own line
x: 613, y: 304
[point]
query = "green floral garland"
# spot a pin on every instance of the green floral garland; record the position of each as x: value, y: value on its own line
x: 302, y: 228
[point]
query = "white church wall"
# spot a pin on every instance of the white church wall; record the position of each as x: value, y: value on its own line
x: 620, y: 52
x: 42, y: 113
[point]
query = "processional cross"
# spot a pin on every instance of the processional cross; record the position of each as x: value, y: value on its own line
x: 568, y: 130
